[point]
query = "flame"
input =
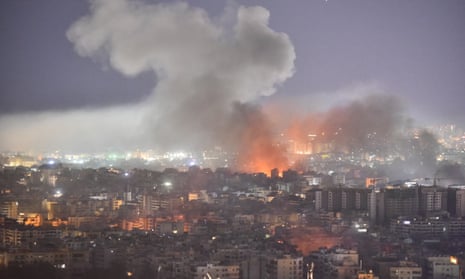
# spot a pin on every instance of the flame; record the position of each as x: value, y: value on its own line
x: 258, y: 149
x: 305, y: 135
x: 368, y: 124
x: 261, y: 155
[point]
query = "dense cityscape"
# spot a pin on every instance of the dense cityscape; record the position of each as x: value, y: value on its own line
x: 244, y: 139
x: 177, y: 215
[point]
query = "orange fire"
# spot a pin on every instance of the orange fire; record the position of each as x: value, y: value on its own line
x: 261, y: 155
x: 258, y: 151
x: 365, y: 124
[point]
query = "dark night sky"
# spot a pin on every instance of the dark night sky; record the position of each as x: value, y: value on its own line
x: 40, y: 69
x: 344, y: 49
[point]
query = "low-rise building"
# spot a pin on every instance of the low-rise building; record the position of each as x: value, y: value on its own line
x: 215, y: 271
x: 406, y: 270
x: 442, y: 267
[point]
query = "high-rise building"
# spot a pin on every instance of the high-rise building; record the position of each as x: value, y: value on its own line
x: 432, y: 200
x: 457, y: 200
x: 318, y: 200
x: 341, y: 199
x: 400, y: 202
x: 376, y: 206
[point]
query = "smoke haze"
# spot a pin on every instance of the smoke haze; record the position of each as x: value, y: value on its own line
x: 209, y: 74
x: 85, y: 130
x: 206, y: 72
x: 372, y: 124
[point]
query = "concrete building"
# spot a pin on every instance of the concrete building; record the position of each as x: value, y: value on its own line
x: 376, y: 206
x: 442, y: 268
x: 432, y: 199
x: 460, y: 203
x: 104, y: 257
x: 345, y: 262
x: 284, y: 267
x: 432, y: 227
x: 401, y: 201
x: 406, y: 270
x: 9, y: 209
x: 313, y: 180
x: 23, y: 236
x: 57, y: 258
x: 252, y: 267
x: 341, y: 199
x: 216, y: 271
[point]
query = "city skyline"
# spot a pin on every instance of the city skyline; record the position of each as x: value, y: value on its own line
x: 55, y: 89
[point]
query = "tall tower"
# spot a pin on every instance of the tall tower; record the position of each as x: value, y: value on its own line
x: 376, y: 206
x: 460, y: 203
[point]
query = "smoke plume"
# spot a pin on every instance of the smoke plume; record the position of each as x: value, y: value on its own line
x: 257, y: 151
x: 370, y: 124
x: 207, y: 71
x: 203, y: 68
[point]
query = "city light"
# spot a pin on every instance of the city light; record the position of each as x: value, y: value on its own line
x: 58, y: 193
x: 214, y: 139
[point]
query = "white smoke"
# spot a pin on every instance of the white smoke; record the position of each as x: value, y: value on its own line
x: 84, y: 130
x: 181, y: 43
x: 202, y: 68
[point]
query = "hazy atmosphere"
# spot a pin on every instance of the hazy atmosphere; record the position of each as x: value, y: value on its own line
x: 88, y: 75
x: 232, y: 139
